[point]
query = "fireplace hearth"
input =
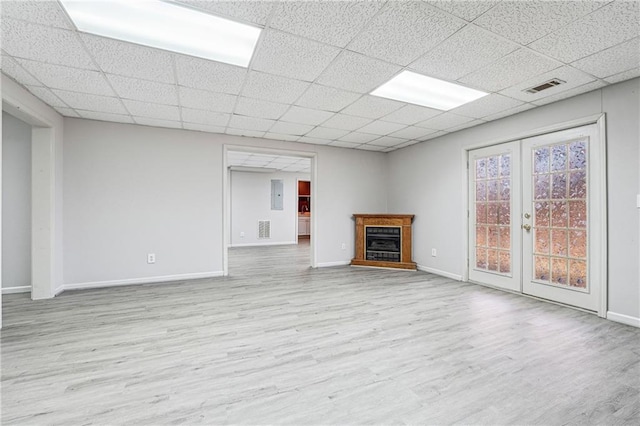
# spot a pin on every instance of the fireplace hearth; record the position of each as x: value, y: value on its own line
x: 383, y: 240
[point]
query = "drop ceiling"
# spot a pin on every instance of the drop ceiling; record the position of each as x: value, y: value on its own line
x: 316, y: 63
x: 247, y: 161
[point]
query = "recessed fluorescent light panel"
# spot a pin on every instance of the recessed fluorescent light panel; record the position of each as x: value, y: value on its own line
x: 167, y: 26
x: 427, y: 91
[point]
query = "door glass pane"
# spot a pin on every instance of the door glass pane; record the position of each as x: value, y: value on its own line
x: 559, y: 185
x: 493, y: 213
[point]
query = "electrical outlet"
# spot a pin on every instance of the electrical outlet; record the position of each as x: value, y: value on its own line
x: 242, y: 235
x: 344, y: 246
x: 433, y: 252
x: 151, y: 258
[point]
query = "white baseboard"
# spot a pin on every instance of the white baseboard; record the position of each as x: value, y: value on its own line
x: 439, y: 272
x: 623, y: 319
x: 286, y: 243
x: 329, y: 264
x: 145, y: 280
x: 19, y: 289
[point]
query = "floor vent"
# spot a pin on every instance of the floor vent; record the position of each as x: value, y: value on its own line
x: 544, y: 86
x: 264, y: 229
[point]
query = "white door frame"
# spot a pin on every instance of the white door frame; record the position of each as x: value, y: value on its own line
x: 226, y: 196
x: 43, y: 195
x: 600, y: 157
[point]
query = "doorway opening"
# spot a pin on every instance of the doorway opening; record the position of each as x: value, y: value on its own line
x: 269, y: 197
x: 536, y: 220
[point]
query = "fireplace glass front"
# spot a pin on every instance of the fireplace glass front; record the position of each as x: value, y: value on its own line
x: 383, y: 243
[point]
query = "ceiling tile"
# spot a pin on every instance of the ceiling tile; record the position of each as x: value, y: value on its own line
x: 209, y: 75
x: 570, y: 93
x: 157, y: 111
x: 367, y: 147
x: 357, y: 73
x: 527, y: 21
x: 627, y: 75
x: 412, y: 132
x: 572, y: 76
x: 281, y: 137
x: 406, y: 144
x: 65, y: 78
x: 273, y: 88
x: 326, y: 98
x: 245, y: 132
x: 39, y: 12
x: 116, y: 57
x: 508, y: 112
x: 261, y: 109
x: 306, y: 116
x: 203, y: 128
x: 486, y: 105
x: 343, y: 144
x: 290, y: 128
x: 14, y: 70
x: 444, y: 121
x: 250, y: 123
x: 466, y: 51
x: 144, y: 90
x: 606, y: 27
x: 105, y: 116
x: 91, y: 102
x: 346, y: 122
x: 199, y: 116
x: 359, y: 137
x: 67, y: 112
x: 411, y: 114
x: 381, y: 128
x: 256, y: 12
x: 388, y: 141
x: 46, y: 96
x: 372, y: 107
x: 403, y: 31
x: 509, y: 70
x: 145, y: 121
x: 326, y: 133
x: 434, y: 135
x: 465, y: 126
x: 467, y: 10
x: 315, y: 141
x: 203, y: 99
x: 290, y: 56
x: 312, y: 19
x: 44, y: 44
x: 616, y: 59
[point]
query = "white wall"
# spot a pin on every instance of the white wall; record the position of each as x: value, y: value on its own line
x: 16, y: 202
x: 251, y: 202
x: 429, y: 180
x: 132, y: 190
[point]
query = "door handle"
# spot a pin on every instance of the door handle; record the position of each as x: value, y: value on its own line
x: 526, y: 227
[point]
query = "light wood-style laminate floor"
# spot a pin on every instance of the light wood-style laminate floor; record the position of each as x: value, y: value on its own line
x: 279, y: 343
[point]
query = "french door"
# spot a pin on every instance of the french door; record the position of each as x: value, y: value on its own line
x: 555, y: 222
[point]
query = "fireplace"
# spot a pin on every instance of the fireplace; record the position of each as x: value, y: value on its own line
x: 383, y: 240
x: 383, y: 243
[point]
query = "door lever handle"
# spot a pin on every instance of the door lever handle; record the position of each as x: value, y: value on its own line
x: 526, y: 227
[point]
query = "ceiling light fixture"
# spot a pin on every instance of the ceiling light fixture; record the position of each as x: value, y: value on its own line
x: 427, y: 91
x: 167, y: 26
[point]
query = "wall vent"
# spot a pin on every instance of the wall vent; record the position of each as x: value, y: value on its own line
x: 264, y: 229
x: 544, y: 86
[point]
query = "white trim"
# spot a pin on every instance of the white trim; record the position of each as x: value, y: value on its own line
x: 145, y: 280
x: 286, y: 243
x: 591, y: 119
x: 623, y: 319
x: 58, y: 290
x: 18, y: 289
x: 604, y: 219
x: 439, y: 272
x: 330, y: 264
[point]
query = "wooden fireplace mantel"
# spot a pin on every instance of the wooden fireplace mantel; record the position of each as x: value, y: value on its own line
x: 402, y: 221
